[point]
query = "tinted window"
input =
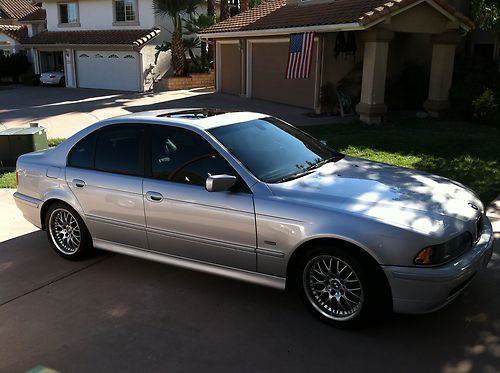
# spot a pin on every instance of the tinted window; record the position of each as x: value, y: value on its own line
x: 82, y: 154
x: 272, y: 150
x: 183, y: 156
x: 119, y: 149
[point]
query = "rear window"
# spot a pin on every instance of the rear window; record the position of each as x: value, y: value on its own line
x: 82, y: 154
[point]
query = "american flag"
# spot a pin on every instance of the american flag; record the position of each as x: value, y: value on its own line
x: 300, y: 55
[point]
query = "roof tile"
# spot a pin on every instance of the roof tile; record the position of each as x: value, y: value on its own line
x: 37, y: 15
x: 14, y: 31
x: 100, y: 37
x: 16, y: 9
x: 276, y: 14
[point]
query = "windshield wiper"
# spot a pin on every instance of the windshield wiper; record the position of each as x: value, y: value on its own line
x: 295, y: 176
x: 323, y: 162
x: 310, y: 169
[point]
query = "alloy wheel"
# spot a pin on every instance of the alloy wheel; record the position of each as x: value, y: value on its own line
x: 65, y: 231
x: 333, y: 287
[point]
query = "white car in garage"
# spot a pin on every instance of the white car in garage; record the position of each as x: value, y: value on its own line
x: 53, y: 78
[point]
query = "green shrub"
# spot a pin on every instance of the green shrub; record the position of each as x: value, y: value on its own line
x: 29, y: 78
x: 471, y: 77
x: 13, y: 66
x: 486, y: 107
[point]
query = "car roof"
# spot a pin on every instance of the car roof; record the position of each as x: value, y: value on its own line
x: 202, y: 118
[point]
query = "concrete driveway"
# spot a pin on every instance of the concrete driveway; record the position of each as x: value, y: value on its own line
x: 64, y: 111
x: 117, y: 313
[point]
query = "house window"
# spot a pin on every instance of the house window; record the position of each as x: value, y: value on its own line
x: 125, y: 10
x: 68, y: 13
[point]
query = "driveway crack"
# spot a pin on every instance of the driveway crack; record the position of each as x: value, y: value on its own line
x: 57, y: 279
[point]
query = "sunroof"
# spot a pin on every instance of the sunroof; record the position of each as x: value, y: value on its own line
x: 194, y: 113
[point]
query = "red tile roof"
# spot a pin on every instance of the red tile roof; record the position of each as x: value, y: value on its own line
x: 37, y: 15
x: 16, y: 9
x: 276, y: 14
x: 100, y: 37
x: 14, y: 31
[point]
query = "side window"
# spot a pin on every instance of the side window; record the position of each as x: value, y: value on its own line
x: 119, y: 149
x: 183, y: 156
x: 82, y: 154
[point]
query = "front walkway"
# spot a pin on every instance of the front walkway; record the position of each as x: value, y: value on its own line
x: 64, y: 111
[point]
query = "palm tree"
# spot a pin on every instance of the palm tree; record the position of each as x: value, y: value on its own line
x: 224, y: 10
x: 244, y: 5
x: 173, y: 9
x: 211, y: 14
x: 193, y: 26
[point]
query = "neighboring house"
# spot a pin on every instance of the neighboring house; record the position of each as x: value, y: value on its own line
x: 11, y: 30
x: 108, y: 44
x: 10, y: 38
x: 380, y: 35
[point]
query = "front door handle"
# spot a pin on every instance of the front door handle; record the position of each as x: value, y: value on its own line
x: 154, y: 196
x: 78, y: 183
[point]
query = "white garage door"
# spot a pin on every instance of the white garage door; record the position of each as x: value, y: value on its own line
x: 108, y: 70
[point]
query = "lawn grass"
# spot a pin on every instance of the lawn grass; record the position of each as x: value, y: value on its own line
x: 7, y: 179
x: 463, y: 151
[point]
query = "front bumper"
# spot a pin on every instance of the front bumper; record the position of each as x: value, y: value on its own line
x: 423, y: 290
x: 49, y: 81
x: 30, y: 207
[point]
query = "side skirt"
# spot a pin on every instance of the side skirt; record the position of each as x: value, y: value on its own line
x: 247, y: 276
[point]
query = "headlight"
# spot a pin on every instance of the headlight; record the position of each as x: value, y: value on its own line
x: 442, y: 253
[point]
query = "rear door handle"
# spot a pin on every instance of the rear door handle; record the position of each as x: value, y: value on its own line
x: 154, y: 196
x: 78, y: 183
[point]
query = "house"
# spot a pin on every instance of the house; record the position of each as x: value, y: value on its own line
x: 108, y: 44
x: 379, y: 36
x: 11, y: 30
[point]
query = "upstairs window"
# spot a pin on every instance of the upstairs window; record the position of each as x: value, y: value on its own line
x: 68, y: 13
x: 125, y: 10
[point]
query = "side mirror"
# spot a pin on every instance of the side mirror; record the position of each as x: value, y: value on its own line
x: 219, y: 183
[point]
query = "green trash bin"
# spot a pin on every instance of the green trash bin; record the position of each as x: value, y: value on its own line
x: 17, y: 141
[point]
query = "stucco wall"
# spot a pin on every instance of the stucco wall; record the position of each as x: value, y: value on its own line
x: 336, y: 67
x: 152, y: 72
x: 421, y: 18
x: 99, y: 15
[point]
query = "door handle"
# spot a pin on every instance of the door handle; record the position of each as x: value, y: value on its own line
x: 154, y: 196
x: 78, y: 183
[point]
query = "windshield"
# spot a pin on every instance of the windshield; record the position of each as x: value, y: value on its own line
x: 272, y: 150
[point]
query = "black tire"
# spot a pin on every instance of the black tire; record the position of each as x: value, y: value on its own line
x: 62, y: 82
x: 64, y: 228
x: 334, y: 297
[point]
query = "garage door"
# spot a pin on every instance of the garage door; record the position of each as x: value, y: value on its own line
x: 269, y: 61
x: 230, y: 68
x: 108, y: 70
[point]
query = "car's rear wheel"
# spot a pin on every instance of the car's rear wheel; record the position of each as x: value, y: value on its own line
x: 67, y: 233
x: 338, y: 287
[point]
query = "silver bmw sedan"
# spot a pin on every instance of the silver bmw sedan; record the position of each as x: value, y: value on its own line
x: 249, y: 197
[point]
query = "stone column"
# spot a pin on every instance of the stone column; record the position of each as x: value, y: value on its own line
x: 443, y: 57
x: 372, y: 107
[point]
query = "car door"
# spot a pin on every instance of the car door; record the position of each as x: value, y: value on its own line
x: 105, y: 173
x: 184, y: 219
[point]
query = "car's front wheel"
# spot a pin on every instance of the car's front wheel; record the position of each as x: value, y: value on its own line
x: 338, y: 287
x: 67, y: 232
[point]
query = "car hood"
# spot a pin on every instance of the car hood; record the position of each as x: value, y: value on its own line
x: 404, y: 197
